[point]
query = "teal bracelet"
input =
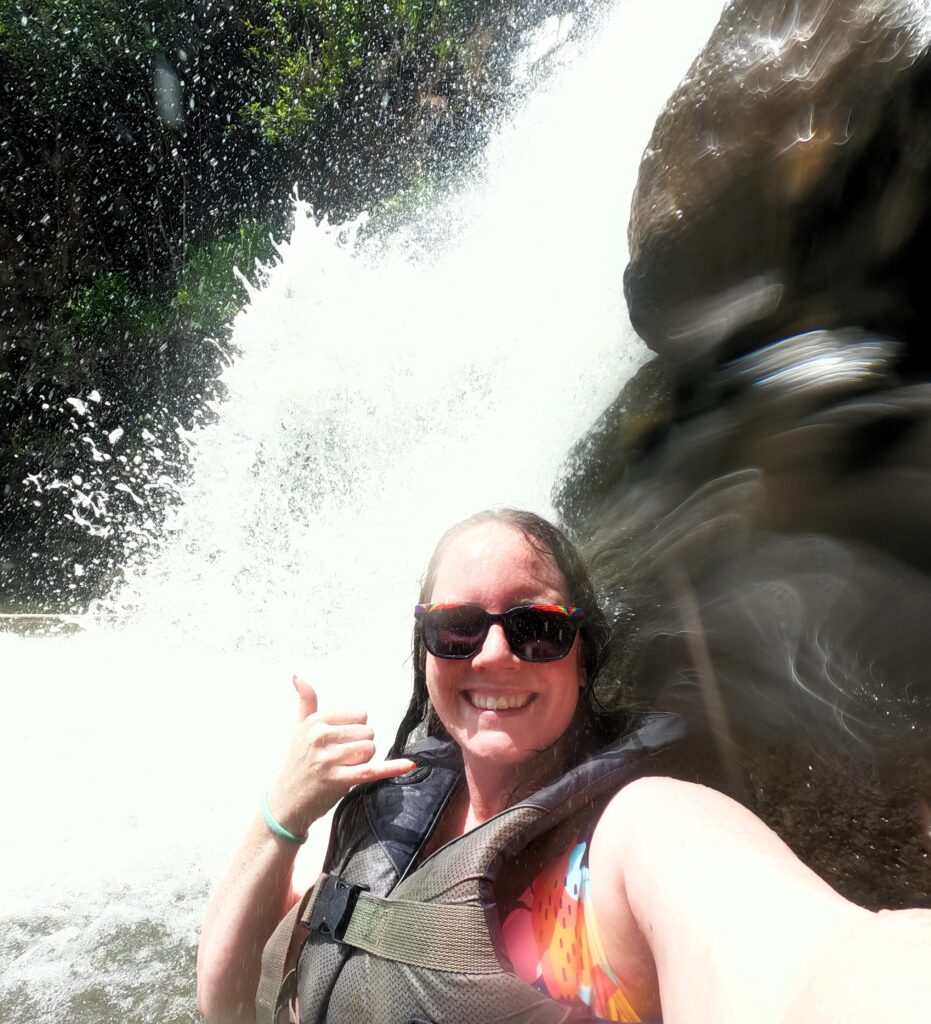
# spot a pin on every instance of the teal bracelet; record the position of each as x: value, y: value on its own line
x: 278, y: 829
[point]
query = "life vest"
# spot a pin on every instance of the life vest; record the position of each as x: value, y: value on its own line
x: 390, y: 945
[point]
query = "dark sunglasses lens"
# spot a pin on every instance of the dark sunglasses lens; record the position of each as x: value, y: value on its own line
x: 454, y: 632
x: 535, y: 635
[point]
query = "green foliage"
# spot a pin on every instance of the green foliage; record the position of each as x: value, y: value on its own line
x: 305, y: 59
x: 98, y: 336
x: 208, y: 293
x: 113, y: 311
x: 111, y: 308
x: 399, y: 208
x: 316, y: 53
x: 135, y: 341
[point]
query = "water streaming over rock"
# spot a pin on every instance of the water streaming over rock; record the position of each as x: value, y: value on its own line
x: 382, y: 392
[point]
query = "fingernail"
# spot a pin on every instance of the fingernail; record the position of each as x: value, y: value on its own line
x: 294, y: 683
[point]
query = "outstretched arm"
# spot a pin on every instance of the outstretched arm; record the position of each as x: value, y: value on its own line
x: 330, y: 753
x: 738, y: 928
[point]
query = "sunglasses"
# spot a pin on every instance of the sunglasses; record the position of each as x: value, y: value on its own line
x: 534, y: 632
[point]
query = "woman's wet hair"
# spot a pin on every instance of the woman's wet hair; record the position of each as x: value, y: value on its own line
x: 593, y: 724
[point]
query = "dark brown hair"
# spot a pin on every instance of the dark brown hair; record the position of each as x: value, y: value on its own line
x: 595, y: 726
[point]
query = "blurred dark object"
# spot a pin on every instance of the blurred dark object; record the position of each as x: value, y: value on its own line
x: 757, y: 501
x: 786, y: 184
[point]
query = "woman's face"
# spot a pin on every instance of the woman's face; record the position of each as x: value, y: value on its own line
x: 493, y: 565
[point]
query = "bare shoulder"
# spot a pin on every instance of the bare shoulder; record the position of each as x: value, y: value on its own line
x: 651, y: 800
x: 673, y: 836
x: 661, y: 814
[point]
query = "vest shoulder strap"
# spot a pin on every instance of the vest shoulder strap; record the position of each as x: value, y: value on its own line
x: 274, y: 993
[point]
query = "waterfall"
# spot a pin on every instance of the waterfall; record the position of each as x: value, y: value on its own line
x: 382, y: 392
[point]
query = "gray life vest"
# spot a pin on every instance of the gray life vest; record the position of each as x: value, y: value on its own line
x: 390, y: 945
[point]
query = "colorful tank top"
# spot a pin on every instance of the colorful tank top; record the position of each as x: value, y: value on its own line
x: 552, y: 940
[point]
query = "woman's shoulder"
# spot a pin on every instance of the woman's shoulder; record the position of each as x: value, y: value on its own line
x: 663, y: 805
x: 643, y: 800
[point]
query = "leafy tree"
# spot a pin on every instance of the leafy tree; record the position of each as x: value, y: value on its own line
x: 148, y: 147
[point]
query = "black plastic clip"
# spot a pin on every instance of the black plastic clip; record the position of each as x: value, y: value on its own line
x: 333, y: 907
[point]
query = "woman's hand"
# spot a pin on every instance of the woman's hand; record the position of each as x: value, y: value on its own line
x: 330, y: 752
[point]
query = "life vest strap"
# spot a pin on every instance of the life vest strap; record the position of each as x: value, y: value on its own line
x: 440, y: 937
x: 269, y: 997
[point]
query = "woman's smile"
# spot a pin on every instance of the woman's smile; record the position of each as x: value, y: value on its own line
x: 486, y: 700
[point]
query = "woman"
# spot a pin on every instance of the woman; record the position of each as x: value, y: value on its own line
x: 696, y: 910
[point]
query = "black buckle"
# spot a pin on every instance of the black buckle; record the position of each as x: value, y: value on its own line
x: 333, y: 907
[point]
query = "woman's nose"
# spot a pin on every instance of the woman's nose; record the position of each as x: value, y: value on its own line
x: 495, y: 650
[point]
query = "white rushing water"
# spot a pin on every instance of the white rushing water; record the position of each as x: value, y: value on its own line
x: 377, y: 400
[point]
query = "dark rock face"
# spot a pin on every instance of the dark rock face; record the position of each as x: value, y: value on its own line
x: 757, y: 501
x: 786, y: 182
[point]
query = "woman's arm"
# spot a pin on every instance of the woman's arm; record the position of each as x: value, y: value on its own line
x: 246, y: 905
x: 739, y: 929
x: 329, y: 754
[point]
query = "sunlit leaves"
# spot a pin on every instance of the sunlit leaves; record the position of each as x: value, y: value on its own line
x: 323, y: 53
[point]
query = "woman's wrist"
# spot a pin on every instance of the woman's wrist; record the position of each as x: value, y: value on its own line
x: 279, y: 830
x: 278, y: 810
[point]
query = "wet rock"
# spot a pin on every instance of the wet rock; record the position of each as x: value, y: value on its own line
x: 785, y: 185
x: 759, y: 523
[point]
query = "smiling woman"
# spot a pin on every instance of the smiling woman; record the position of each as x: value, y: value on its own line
x: 501, y: 707
x: 511, y: 860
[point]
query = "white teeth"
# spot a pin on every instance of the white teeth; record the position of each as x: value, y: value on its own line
x: 503, y: 703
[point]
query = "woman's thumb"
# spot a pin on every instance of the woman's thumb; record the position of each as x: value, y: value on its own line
x: 307, y: 698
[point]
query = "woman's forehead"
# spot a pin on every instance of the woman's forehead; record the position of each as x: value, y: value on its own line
x: 496, y: 554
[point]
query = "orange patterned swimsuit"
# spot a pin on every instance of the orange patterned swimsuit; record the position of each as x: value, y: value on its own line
x: 552, y: 940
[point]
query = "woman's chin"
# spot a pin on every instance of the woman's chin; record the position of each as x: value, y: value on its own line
x: 495, y: 748
x: 504, y: 750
